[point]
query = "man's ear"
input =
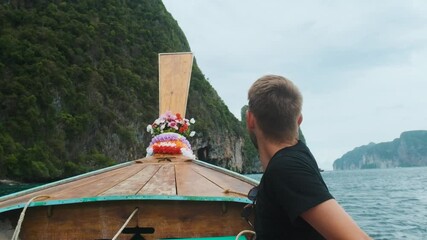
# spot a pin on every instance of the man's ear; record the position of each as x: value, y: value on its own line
x: 299, y: 119
x: 250, y: 120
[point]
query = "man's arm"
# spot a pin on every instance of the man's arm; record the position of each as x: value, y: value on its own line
x: 330, y: 220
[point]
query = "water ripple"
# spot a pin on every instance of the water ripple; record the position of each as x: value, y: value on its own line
x: 386, y: 203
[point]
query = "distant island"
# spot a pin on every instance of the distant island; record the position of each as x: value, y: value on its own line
x: 409, y: 150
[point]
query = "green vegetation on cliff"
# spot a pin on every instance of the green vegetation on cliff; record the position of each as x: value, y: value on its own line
x: 410, y: 150
x: 78, y: 85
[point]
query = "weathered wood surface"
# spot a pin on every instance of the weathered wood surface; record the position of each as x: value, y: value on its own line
x: 190, y: 183
x: 162, y: 183
x: 102, y: 220
x: 174, y: 81
x: 167, y: 180
x: 150, y: 176
x: 134, y: 183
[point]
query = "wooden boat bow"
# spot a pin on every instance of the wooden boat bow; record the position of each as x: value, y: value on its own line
x: 160, y: 196
x: 161, y: 177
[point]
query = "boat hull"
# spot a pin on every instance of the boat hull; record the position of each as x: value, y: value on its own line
x: 156, y: 219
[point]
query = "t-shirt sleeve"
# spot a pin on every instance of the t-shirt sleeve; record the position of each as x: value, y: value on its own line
x: 296, y: 186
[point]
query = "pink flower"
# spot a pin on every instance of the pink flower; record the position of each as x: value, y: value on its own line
x: 173, y: 123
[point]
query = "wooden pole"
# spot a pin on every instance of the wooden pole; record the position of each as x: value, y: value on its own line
x: 174, y: 81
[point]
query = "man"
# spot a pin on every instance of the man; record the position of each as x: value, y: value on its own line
x: 292, y: 202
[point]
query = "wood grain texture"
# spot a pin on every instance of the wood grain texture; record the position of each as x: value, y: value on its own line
x: 170, y: 219
x: 133, y: 184
x: 66, y: 190
x: 162, y: 182
x: 190, y: 183
x: 234, y: 186
x: 96, y: 186
x: 149, y: 177
x: 174, y: 82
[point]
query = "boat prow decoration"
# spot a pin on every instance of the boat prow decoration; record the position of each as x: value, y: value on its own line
x: 164, y: 196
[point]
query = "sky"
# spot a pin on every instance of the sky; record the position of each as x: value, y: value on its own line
x: 361, y: 65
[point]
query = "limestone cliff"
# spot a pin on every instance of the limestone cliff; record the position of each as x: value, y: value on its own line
x: 79, y: 85
x: 221, y: 149
x: 409, y: 150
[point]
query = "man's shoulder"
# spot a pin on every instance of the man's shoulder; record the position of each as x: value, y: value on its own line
x: 296, y: 153
x: 297, y: 148
x: 293, y: 158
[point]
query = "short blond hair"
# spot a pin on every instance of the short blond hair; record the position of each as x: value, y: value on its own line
x: 276, y: 104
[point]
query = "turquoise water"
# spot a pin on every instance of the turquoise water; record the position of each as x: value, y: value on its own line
x: 386, y: 203
x: 11, y: 188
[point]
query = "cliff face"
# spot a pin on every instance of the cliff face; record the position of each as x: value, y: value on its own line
x: 79, y: 85
x: 409, y: 150
x: 222, y: 150
x: 412, y: 150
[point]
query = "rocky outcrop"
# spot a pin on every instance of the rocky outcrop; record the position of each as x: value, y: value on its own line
x: 222, y: 150
x: 409, y: 150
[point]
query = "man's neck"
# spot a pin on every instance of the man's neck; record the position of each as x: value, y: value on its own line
x: 267, y: 149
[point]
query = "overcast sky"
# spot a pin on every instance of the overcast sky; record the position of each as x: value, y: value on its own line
x: 360, y: 65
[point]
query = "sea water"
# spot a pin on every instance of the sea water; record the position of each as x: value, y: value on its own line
x: 385, y: 203
x: 8, y: 188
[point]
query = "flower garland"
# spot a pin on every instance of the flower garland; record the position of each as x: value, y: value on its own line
x: 169, y: 134
x: 174, y: 123
x: 170, y: 137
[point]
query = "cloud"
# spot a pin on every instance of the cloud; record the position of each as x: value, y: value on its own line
x: 359, y: 64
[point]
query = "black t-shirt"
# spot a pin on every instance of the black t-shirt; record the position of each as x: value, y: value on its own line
x: 291, y: 185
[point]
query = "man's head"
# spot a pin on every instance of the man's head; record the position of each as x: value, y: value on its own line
x: 276, y: 104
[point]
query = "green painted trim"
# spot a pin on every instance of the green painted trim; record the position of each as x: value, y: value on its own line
x: 66, y: 180
x: 126, y: 198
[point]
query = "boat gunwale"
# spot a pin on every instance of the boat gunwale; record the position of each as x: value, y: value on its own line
x: 64, y: 181
x: 58, y: 202
x: 125, y: 197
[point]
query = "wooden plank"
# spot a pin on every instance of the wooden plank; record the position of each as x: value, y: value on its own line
x: 190, y: 183
x: 170, y: 219
x: 243, y: 178
x: 54, y: 192
x: 94, y: 187
x: 174, y: 81
x: 133, y: 184
x: 235, y: 187
x: 162, y: 182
